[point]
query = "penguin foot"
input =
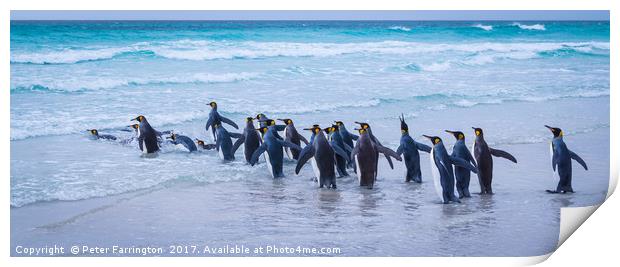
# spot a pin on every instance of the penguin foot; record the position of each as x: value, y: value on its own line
x: 552, y: 191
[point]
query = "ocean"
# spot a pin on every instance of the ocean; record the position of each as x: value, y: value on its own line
x: 507, y: 77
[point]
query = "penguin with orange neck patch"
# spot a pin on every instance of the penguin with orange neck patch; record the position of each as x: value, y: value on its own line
x: 561, y: 162
x: 483, y: 155
x: 147, y: 136
x: 462, y: 175
x: 324, y: 157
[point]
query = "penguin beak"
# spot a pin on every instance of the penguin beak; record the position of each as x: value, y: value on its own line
x: 448, y: 131
x: 549, y: 127
x: 357, y: 129
x: 429, y: 137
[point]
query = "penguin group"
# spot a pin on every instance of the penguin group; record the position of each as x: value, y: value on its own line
x: 334, y: 151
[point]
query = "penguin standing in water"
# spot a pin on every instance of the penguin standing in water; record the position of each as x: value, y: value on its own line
x: 94, y: 133
x: 462, y: 175
x: 203, y: 145
x: 272, y: 147
x: 335, y: 140
x: 223, y: 143
x: 346, y: 137
x: 178, y: 139
x: 250, y: 139
x: 443, y: 173
x: 324, y: 156
x: 262, y: 120
x: 561, y: 162
x: 366, y: 157
x: 215, y: 117
x: 291, y: 135
x: 147, y: 136
x: 483, y: 155
x: 366, y: 126
x: 409, y: 149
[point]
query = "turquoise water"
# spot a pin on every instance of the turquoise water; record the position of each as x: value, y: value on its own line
x: 508, y: 77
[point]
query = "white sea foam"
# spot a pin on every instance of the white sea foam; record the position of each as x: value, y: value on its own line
x: 484, y: 27
x: 537, y: 27
x: 400, y: 28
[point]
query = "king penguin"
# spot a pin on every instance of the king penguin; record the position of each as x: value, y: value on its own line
x: 483, y: 156
x: 183, y: 140
x: 561, y: 162
x: 95, y: 134
x: 324, y: 155
x: 223, y: 142
x: 291, y: 135
x: 462, y: 175
x: 366, y: 154
x: 204, y: 145
x: 335, y: 140
x: 443, y: 172
x: 272, y: 147
x: 409, y: 149
x: 251, y: 140
x: 347, y: 137
x: 215, y: 117
x: 147, y: 136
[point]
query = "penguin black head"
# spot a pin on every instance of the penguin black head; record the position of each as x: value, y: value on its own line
x: 269, y: 122
x: 200, y: 142
x: 134, y: 126
x: 361, y: 130
x: 286, y: 121
x: 403, y: 125
x: 262, y: 130
x: 557, y: 132
x: 363, y: 125
x: 249, y: 119
x: 339, y: 123
x: 93, y: 131
x: 259, y: 116
x: 212, y: 104
x: 458, y: 135
x: 316, y: 129
x: 331, y: 129
x: 478, y: 131
x: 172, y: 136
x: 139, y: 118
x: 434, y: 139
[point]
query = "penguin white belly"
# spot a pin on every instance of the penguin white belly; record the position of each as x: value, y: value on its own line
x: 220, y: 153
x: 473, y: 145
x: 436, y: 175
x: 287, y: 151
x: 315, y: 168
x: 144, y: 149
x: 556, y: 176
x: 269, y: 167
x: 359, y: 172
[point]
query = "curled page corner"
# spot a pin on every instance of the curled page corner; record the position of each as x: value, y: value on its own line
x: 571, y: 218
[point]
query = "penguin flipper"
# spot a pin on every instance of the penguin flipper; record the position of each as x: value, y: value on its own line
x: 463, y: 163
x: 340, y: 152
x: 303, y: 139
x: 209, y: 123
x: 236, y: 135
x: 502, y: 154
x: 262, y: 148
x: 237, y: 144
x: 304, y: 156
x: 229, y: 122
x: 388, y: 153
x: 578, y: 159
x: 423, y: 147
x: 280, y: 128
x: 354, y: 136
x: 399, y: 150
x: 289, y: 144
x: 471, y: 158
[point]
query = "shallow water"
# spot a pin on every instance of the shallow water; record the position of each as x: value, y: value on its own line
x: 508, y: 80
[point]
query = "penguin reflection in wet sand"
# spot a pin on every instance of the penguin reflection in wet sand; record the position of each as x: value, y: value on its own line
x: 94, y: 133
x: 215, y: 117
x: 147, y: 136
x: 443, y: 173
x: 223, y: 142
x: 251, y: 140
x: 483, y: 155
x: 291, y: 135
x: 561, y: 162
x: 462, y: 175
x: 365, y: 154
x: 272, y: 147
x: 178, y: 139
x: 324, y: 155
x: 409, y: 149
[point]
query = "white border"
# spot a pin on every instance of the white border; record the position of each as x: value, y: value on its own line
x: 582, y: 247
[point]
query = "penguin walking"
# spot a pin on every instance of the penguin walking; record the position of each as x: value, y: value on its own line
x: 272, y: 147
x: 561, y: 162
x: 291, y: 135
x: 187, y: 142
x: 250, y: 140
x: 483, y: 155
x: 346, y: 137
x: 443, y: 173
x: 223, y: 142
x: 203, y: 145
x: 94, y: 133
x: 462, y: 175
x: 261, y: 118
x: 324, y: 156
x: 147, y: 136
x: 376, y: 141
x: 408, y: 148
x: 215, y: 117
x: 366, y: 154
x: 335, y: 140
